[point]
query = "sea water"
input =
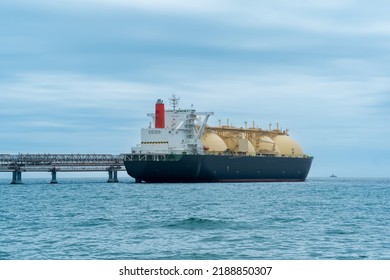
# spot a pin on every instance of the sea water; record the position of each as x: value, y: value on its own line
x: 322, y: 218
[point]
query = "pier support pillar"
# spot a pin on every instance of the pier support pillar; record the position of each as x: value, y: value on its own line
x: 16, y: 177
x: 110, y: 179
x: 116, y: 176
x: 53, y: 177
x: 112, y: 176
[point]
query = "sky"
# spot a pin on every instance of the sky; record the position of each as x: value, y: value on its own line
x: 80, y: 76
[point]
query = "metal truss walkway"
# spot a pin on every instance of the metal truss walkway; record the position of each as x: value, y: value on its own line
x: 61, y: 163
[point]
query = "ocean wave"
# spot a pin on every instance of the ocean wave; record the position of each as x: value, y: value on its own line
x: 194, y: 223
x: 94, y: 222
x: 286, y: 220
x: 339, y: 232
x: 5, y: 255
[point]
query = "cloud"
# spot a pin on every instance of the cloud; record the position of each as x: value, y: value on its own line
x: 71, y: 90
x: 329, y: 17
x: 296, y: 101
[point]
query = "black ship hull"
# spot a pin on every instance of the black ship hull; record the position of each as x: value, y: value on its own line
x: 216, y: 168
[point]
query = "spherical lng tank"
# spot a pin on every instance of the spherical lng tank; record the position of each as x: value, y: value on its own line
x: 287, y: 146
x: 213, y: 142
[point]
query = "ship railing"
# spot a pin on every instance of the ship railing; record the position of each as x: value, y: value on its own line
x: 144, y: 157
x: 151, y: 157
x: 173, y: 157
x: 241, y: 154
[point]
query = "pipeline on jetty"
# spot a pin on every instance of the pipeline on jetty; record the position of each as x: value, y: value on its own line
x: 61, y: 163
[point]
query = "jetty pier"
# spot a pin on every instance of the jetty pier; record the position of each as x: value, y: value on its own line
x: 53, y: 163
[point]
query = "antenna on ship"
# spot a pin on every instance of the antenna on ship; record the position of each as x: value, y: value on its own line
x: 174, y: 101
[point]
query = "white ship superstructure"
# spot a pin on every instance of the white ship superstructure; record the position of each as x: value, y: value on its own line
x: 173, y: 131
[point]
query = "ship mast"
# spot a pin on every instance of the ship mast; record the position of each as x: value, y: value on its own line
x: 174, y: 101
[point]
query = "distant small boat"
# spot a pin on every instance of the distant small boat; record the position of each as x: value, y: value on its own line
x: 333, y: 176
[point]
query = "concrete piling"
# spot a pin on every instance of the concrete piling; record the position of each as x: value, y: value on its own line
x: 112, y: 176
x: 16, y: 177
x: 53, y: 177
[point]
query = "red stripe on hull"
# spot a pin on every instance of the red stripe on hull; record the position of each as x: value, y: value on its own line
x: 258, y: 180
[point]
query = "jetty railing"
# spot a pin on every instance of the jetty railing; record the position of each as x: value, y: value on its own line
x: 61, y: 163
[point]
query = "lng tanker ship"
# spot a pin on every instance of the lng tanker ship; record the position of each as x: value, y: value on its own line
x: 178, y: 146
